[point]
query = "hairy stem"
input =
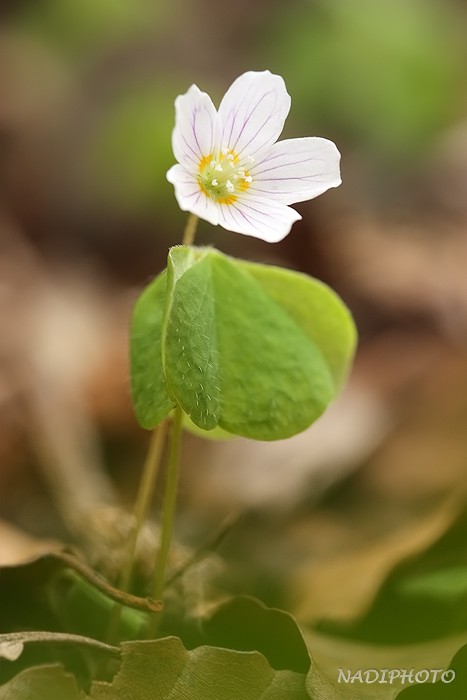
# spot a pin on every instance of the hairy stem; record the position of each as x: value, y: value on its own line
x: 190, y: 230
x: 142, y: 506
x: 144, y: 500
x: 168, y: 506
x: 170, y: 498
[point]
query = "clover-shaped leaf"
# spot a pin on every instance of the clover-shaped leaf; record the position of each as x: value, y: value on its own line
x: 253, y: 349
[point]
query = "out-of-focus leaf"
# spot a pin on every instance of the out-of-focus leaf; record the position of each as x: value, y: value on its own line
x: 398, y: 615
x: 332, y: 654
x: 452, y: 687
x: 415, y: 621
x: 164, y: 669
x: 317, y: 589
x: 41, y: 683
x: 245, y: 624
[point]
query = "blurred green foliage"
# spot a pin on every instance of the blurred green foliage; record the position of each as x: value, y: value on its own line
x: 130, y: 150
x: 80, y: 28
x: 386, y: 75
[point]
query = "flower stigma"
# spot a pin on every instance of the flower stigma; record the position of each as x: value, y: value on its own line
x: 222, y: 177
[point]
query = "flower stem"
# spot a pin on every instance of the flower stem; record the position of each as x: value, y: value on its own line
x: 168, y: 508
x: 190, y: 230
x: 142, y: 506
x: 144, y: 499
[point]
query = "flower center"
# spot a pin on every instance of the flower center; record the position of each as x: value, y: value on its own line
x: 222, y: 177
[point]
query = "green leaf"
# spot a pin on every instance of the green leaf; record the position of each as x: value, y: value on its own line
x: 41, y: 683
x: 150, y: 398
x: 163, y: 669
x: 253, y: 349
x: 316, y: 309
x: 214, y: 434
x: 244, y: 623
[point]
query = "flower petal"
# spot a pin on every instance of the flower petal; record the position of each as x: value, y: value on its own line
x: 252, y: 113
x: 257, y: 217
x: 190, y: 196
x: 194, y: 132
x: 296, y: 170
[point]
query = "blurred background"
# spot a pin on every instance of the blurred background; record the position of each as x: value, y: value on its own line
x: 86, y: 216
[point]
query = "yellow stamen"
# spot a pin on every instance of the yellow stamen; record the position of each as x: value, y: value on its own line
x: 205, y: 160
x: 221, y: 178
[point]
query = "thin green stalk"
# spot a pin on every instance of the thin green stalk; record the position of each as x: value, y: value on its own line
x: 141, y: 510
x: 190, y: 230
x: 168, y: 510
x: 144, y: 500
x: 169, y: 502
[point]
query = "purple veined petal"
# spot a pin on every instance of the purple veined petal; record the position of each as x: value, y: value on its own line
x: 295, y: 170
x: 195, y: 123
x: 252, y: 113
x: 190, y: 196
x: 256, y: 217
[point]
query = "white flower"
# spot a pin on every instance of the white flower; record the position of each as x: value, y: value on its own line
x: 230, y: 169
